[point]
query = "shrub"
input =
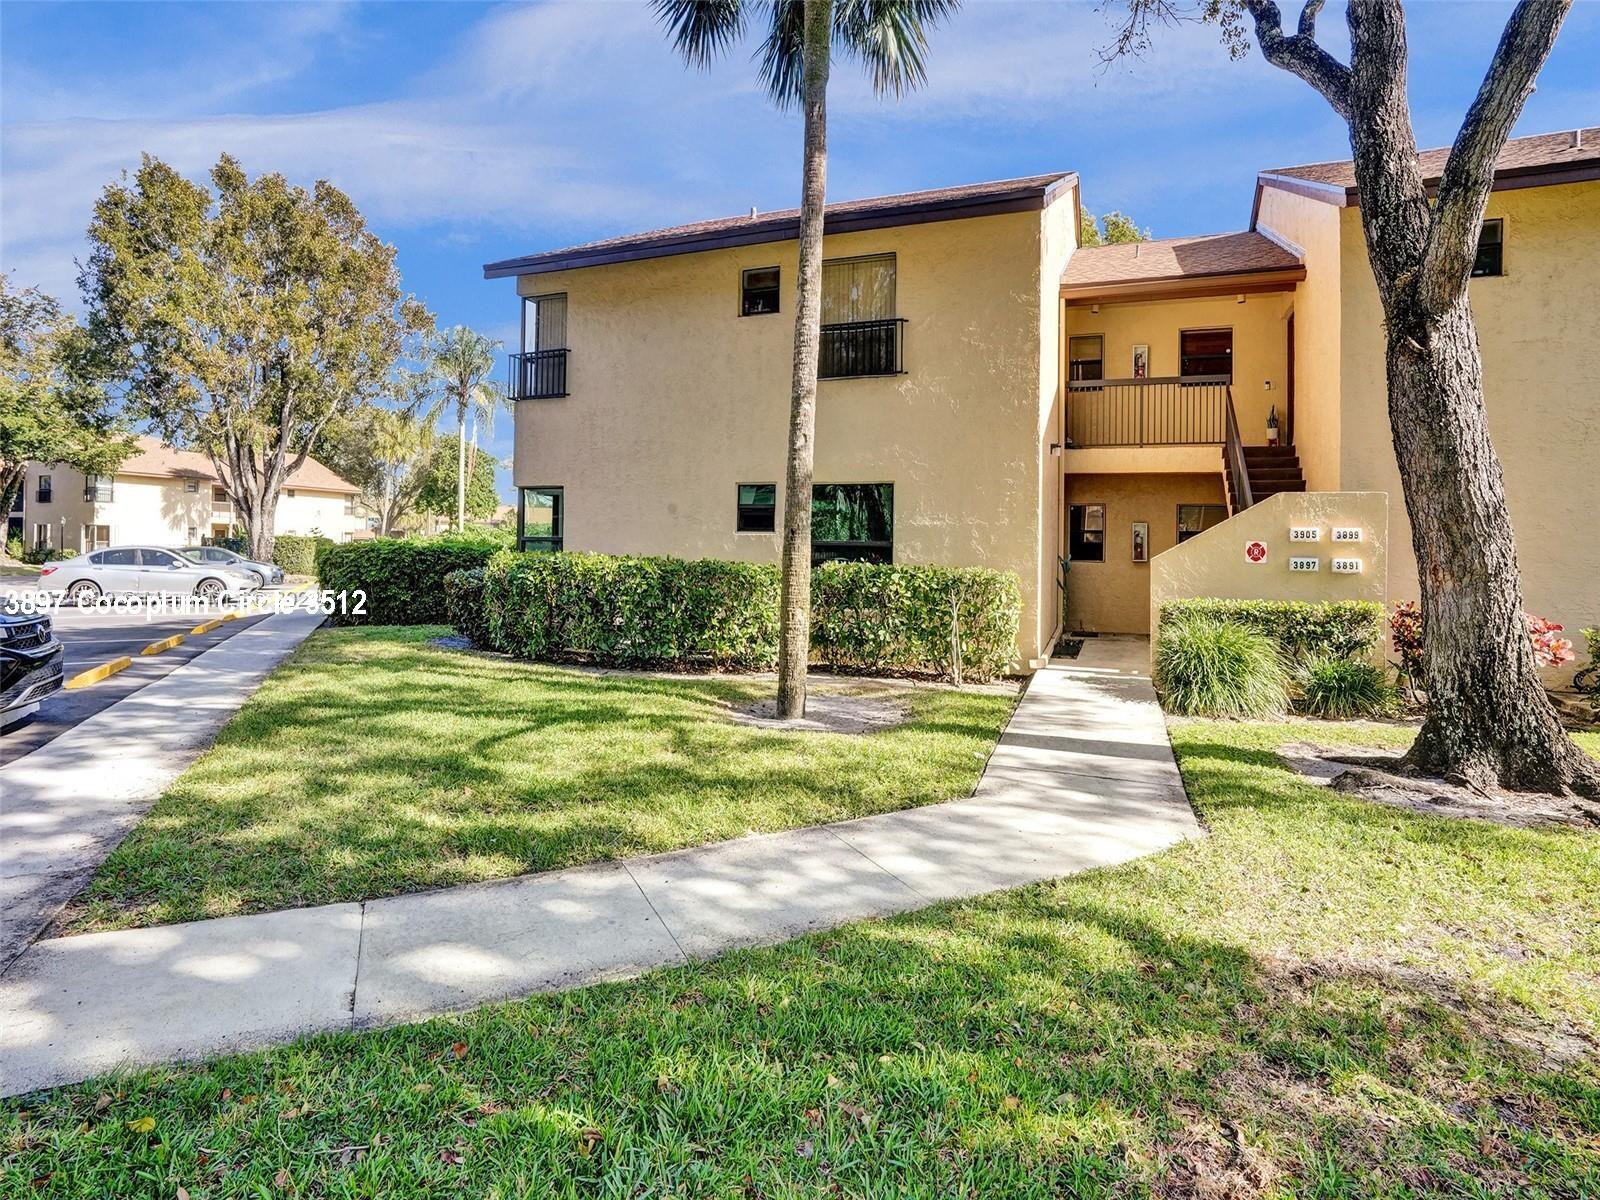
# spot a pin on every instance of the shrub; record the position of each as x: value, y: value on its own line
x: 1213, y: 668
x: 876, y: 616
x: 1343, y: 687
x: 1341, y: 628
x: 1588, y: 679
x: 463, y: 600
x: 669, y: 611
x: 296, y: 554
x: 1405, y: 630
x: 403, y: 578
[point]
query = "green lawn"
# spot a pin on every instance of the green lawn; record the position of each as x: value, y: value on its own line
x: 1324, y: 998
x: 373, y: 763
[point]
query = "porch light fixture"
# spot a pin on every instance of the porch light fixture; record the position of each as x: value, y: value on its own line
x: 1241, y: 298
x: 1095, y: 309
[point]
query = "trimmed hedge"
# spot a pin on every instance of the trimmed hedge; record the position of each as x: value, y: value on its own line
x: 463, y: 600
x: 403, y: 578
x: 1302, y: 630
x: 628, y: 611
x: 295, y: 553
x: 876, y: 616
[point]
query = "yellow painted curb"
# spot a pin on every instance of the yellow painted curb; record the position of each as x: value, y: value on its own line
x: 95, y: 674
x: 164, y: 644
x: 206, y: 626
x: 230, y: 616
x: 300, y: 587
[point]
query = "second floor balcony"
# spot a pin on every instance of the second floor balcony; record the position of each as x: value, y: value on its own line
x: 1187, y: 410
x: 538, y: 375
x: 857, y: 349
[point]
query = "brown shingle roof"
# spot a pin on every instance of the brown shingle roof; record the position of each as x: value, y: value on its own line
x: 1524, y: 155
x: 1176, y: 258
x: 907, y: 208
x: 154, y: 457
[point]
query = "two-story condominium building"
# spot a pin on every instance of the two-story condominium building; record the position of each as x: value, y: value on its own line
x: 994, y: 394
x: 169, y: 497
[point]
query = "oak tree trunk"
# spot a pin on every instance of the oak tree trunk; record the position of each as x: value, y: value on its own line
x: 794, y: 631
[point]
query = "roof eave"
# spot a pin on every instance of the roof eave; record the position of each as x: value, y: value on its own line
x: 1031, y: 198
x: 1179, y: 287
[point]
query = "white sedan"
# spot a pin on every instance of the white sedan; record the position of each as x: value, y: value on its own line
x: 142, y: 571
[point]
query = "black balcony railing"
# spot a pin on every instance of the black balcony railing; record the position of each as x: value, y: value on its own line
x: 539, y: 375
x: 1190, y: 410
x: 852, y: 349
x: 97, y: 491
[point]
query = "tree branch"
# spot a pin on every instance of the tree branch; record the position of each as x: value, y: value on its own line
x: 1299, y: 54
x: 1468, y: 175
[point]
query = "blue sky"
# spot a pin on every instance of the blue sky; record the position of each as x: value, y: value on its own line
x: 469, y: 132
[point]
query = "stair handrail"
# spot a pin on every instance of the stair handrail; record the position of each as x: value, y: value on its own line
x: 1233, y: 448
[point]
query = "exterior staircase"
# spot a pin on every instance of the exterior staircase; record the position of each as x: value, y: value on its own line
x: 1271, y: 469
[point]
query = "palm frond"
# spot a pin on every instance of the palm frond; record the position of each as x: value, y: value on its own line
x: 701, y: 29
x: 781, y: 58
x: 890, y: 37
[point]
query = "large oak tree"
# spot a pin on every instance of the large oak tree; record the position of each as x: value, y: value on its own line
x: 240, y: 323
x: 1488, y: 721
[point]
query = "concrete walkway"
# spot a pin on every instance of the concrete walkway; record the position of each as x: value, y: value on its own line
x: 1083, y: 777
x: 66, y: 805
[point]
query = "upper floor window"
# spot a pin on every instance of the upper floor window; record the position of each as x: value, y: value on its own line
x: 852, y: 521
x: 1086, y: 358
x: 191, y: 485
x: 43, y: 491
x: 219, y: 495
x: 97, y: 488
x: 541, y: 518
x: 1197, y: 518
x: 758, y: 291
x: 1490, y: 258
x: 1205, y: 352
x: 289, y: 492
x: 758, y: 508
x: 861, y: 335
x: 541, y: 369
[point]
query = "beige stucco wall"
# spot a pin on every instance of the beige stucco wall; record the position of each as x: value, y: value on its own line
x: 1214, y: 563
x: 1539, y: 332
x: 1260, y: 345
x: 160, y: 511
x: 1314, y: 229
x: 1114, y: 596
x: 1058, y: 241
x: 675, y: 399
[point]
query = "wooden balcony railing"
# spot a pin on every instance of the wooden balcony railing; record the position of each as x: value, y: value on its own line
x: 1178, y: 411
x: 538, y: 375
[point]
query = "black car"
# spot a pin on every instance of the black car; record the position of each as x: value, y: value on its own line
x: 30, y: 664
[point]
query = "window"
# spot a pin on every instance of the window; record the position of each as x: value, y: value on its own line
x: 191, y: 485
x: 544, y: 323
x: 96, y: 536
x: 43, y: 491
x: 1086, y: 532
x: 289, y: 492
x: 349, y: 506
x: 1197, y: 518
x: 758, y: 291
x: 194, y: 534
x: 858, y: 289
x: 852, y: 521
x: 540, y: 371
x: 1491, y: 249
x: 219, y: 495
x: 1205, y: 352
x: 117, y: 558
x: 97, y: 489
x: 540, y: 519
x: 158, y: 558
x: 758, y: 508
x: 41, y: 535
x: 1086, y: 358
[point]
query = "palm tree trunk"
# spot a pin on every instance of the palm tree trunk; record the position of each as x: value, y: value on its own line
x: 461, y: 473
x: 794, y: 634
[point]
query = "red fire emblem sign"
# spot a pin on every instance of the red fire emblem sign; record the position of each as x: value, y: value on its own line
x: 1255, y: 551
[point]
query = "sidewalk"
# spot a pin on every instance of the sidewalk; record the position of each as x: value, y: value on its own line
x: 66, y: 805
x: 1083, y: 777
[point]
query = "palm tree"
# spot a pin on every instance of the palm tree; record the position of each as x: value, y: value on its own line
x: 459, y: 366
x: 889, y: 37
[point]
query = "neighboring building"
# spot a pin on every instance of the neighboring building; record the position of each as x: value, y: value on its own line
x: 171, y: 497
x: 994, y: 395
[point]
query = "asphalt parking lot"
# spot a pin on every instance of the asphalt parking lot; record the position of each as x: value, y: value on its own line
x: 95, y: 636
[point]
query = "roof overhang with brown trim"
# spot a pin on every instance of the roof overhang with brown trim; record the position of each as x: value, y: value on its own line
x: 916, y: 208
x: 1184, y: 287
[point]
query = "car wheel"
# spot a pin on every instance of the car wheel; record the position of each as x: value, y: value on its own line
x: 261, y: 580
x: 83, y: 593
x: 211, y: 591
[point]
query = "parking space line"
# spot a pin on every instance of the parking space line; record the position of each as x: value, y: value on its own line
x: 95, y: 674
x: 164, y: 644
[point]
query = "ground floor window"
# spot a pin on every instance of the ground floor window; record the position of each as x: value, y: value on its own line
x: 1086, y: 532
x: 1197, y: 518
x: 758, y: 508
x: 540, y: 518
x: 41, y: 536
x: 852, y: 521
x: 96, y: 536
